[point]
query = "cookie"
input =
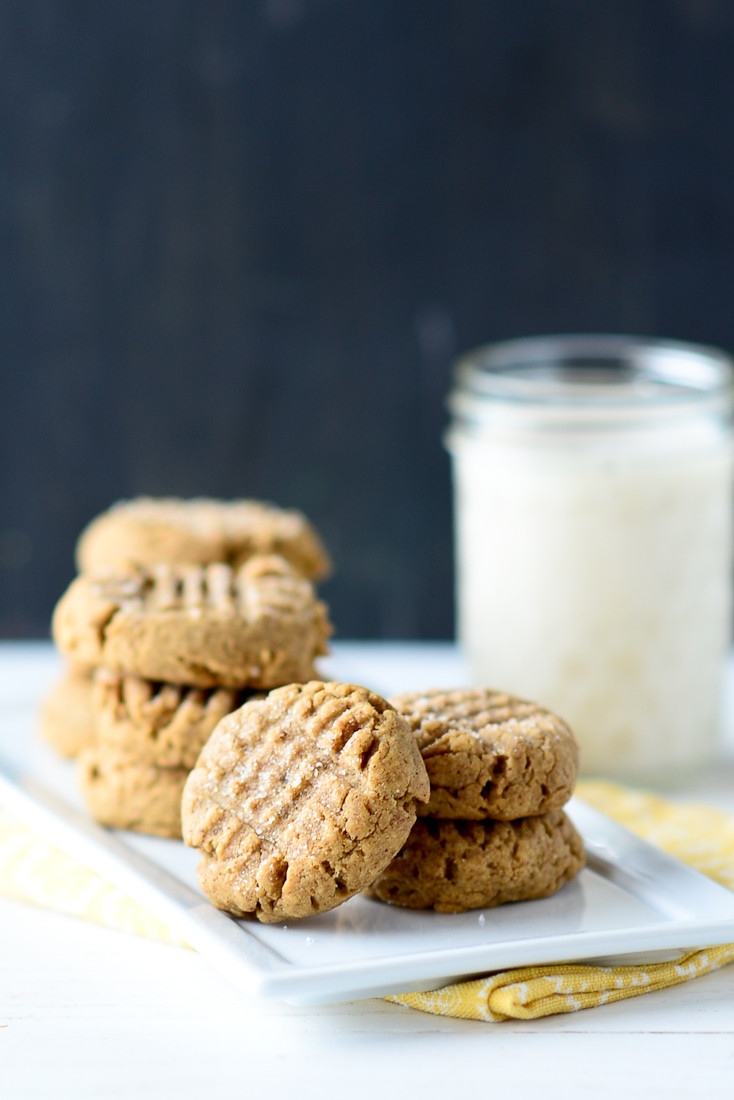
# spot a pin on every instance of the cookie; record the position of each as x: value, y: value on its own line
x: 206, y: 626
x: 490, y: 755
x: 299, y: 800
x: 452, y: 866
x: 125, y: 792
x: 148, y: 530
x: 163, y: 724
x: 67, y: 721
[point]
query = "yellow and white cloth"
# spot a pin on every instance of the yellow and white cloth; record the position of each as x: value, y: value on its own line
x: 31, y: 869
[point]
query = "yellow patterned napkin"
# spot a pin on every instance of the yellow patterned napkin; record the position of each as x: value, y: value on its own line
x: 697, y: 835
x: 33, y: 870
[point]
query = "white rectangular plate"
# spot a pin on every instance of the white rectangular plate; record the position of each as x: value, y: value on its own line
x: 630, y: 899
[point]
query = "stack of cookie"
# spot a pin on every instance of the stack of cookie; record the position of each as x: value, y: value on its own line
x: 147, y: 531
x: 493, y: 830
x: 161, y: 648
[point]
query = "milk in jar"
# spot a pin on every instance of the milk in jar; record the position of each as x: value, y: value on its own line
x: 593, y: 514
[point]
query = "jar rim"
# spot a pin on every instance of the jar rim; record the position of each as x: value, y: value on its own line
x: 595, y: 371
x: 593, y: 382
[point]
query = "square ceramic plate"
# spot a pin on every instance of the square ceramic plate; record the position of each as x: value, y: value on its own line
x: 631, y: 898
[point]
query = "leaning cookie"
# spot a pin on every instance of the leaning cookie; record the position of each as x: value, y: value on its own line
x: 67, y: 721
x: 490, y: 755
x: 159, y: 723
x: 125, y: 792
x: 452, y: 866
x: 148, y: 530
x: 203, y: 625
x: 299, y: 800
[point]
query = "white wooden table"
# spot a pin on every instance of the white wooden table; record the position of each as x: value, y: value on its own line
x: 87, y: 1012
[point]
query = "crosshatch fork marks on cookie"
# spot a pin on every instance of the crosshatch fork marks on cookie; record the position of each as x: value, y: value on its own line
x: 249, y: 589
x: 206, y: 626
x: 298, y: 800
x: 264, y: 769
x: 490, y: 755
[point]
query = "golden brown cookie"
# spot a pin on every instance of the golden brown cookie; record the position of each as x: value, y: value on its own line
x: 148, y: 530
x: 490, y: 755
x: 67, y: 717
x: 299, y: 800
x: 204, y: 625
x: 162, y: 724
x: 452, y: 866
x: 125, y: 792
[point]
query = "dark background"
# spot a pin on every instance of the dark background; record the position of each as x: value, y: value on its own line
x: 241, y: 244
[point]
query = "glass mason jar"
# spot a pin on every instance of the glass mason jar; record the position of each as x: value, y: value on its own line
x: 593, y: 520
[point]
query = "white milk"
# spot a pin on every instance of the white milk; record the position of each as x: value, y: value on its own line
x: 594, y: 566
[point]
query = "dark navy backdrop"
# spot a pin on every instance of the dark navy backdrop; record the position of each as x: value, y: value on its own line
x: 242, y: 242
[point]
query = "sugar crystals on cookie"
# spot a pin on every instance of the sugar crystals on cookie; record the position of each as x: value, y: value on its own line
x: 301, y: 799
x: 490, y: 755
